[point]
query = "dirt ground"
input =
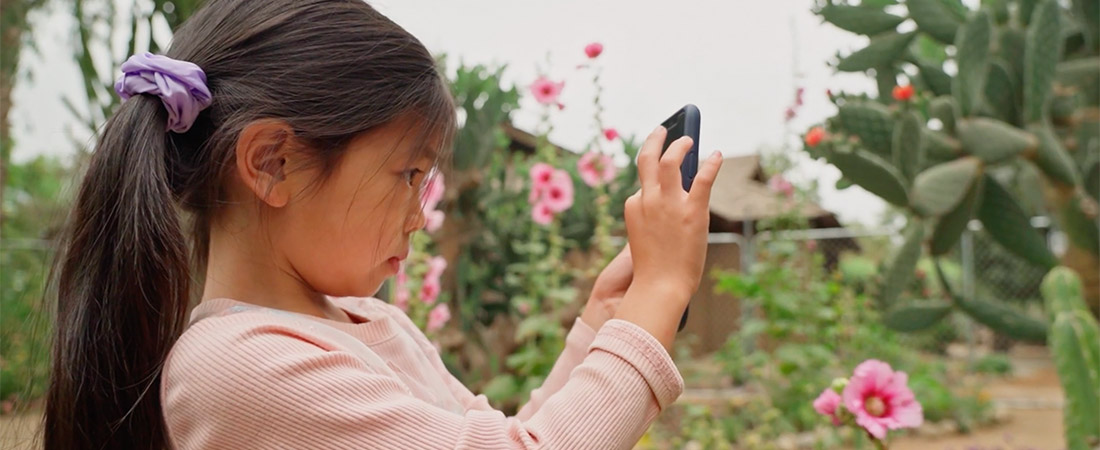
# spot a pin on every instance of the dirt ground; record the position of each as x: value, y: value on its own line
x: 1033, y: 400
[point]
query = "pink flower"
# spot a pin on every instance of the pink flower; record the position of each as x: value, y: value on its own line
x: 593, y: 50
x: 438, y: 317
x: 436, y: 266
x: 611, y: 134
x: 429, y: 291
x: 546, y: 91
x: 596, y: 168
x: 779, y: 184
x: 789, y: 113
x: 401, y: 299
x: 827, y: 403
x: 559, y: 194
x: 541, y: 175
x: 433, y: 192
x: 881, y: 400
x: 542, y: 214
x: 434, y: 220
x: 524, y: 308
x: 811, y: 245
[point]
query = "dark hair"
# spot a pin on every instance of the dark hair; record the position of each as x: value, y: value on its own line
x: 331, y: 69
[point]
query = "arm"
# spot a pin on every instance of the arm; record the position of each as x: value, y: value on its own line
x: 268, y: 389
x: 576, y: 348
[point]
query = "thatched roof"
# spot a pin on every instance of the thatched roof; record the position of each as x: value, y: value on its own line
x: 740, y: 193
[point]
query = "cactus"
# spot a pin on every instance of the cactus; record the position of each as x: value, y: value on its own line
x: 994, y: 141
x: 883, y: 50
x: 940, y: 189
x: 1024, y: 103
x: 973, y: 61
x: 916, y: 315
x: 860, y: 19
x: 1074, y: 342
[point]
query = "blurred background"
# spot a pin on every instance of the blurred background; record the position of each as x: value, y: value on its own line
x: 914, y: 181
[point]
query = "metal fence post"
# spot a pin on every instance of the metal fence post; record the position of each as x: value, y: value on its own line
x: 968, y: 281
x: 748, y: 258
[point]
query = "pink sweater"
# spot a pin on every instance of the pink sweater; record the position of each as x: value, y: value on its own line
x: 244, y: 376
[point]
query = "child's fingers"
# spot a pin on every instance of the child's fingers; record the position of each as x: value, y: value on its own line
x: 704, y: 180
x: 671, y: 161
x: 649, y: 157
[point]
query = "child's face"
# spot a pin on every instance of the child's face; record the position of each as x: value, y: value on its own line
x: 345, y: 236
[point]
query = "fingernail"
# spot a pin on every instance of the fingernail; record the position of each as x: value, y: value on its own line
x: 716, y: 155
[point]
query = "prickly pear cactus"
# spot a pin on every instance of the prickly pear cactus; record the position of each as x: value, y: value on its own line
x: 1024, y: 98
x: 1074, y: 342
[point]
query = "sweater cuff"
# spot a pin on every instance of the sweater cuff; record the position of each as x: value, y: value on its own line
x: 643, y: 352
x: 580, y: 336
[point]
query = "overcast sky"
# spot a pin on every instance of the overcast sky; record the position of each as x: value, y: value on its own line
x: 739, y: 61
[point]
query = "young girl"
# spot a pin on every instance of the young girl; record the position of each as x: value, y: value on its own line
x: 295, y: 136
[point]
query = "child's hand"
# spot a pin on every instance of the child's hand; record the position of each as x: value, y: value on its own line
x: 667, y: 229
x: 609, y: 289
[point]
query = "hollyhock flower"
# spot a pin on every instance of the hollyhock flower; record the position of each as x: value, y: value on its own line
x: 542, y: 214
x: 524, y: 308
x: 436, y: 266
x: 815, y: 136
x: 429, y: 291
x: 596, y: 168
x: 433, y: 192
x: 546, y: 91
x: 779, y: 184
x: 541, y: 175
x: 559, y: 194
x: 903, y: 93
x: 827, y: 403
x: 811, y: 245
x: 593, y: 50
x: 434, y: 220
x: 880, y: 399
x: 789, y: 114
x: 610, y: 134
x: 438, y: 317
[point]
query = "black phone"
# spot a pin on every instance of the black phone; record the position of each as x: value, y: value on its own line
x: 684, y: 123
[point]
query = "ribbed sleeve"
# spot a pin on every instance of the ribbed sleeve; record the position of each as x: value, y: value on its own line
x: 248, y: 381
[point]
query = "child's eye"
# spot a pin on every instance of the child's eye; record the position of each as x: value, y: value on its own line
x: 410, y: 175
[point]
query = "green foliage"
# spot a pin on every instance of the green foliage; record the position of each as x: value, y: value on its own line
x: 860, y: 19
x: 994, y: 141
x: 994, y: 363
x: 871, y: 122
x: 1043, y: 50
x: 916, y: 315
x: 872, y: 173
x: 942, y: 188
x: 940, y: 19
x: 882, y: 50
x: 973, y: 61
x: 1075, y: 345
x: 902, y: 265
x: 908, y: 149
x: 1006, y: 222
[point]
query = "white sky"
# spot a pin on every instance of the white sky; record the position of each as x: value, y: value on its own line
x: 737, y: 60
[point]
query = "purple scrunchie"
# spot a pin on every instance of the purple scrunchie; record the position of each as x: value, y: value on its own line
x: 180, y: 85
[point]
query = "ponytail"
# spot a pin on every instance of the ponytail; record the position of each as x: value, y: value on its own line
x: 122, y: 292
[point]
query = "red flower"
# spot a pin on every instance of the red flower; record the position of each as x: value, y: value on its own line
x: 815, y: 136
x: 593, y: 50
x: 611, y: 134
x: 546, y: 91
x: 903, y: 93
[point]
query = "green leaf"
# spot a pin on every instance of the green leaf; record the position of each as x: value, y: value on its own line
x: 871, y: 122
x: 1083, y: 74
x: 902, y: 265
x: 994, y: 141
x: 939, y: 147
x: 1083, y: 232
x: 908, y: 149
x: 1043, y: 50
x: 916, y: 315
x: 1000, y: 93
x: 501, y: 387
x: 941, y: 188
x: 871, y: 173
x: 883, y: 50
x: 938, y: 81
x: 936, y: 18
x: 972, y: 58
x: 860, y: 19
x: 946, y: 110
x: 1006, y: 223
x: 950, y: 227
x: 1052, y: 158
x: 1004, y: 319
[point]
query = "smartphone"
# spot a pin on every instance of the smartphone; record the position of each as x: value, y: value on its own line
x: 684, y: 123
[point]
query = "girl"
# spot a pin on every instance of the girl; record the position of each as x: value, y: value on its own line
x: 295, y: 135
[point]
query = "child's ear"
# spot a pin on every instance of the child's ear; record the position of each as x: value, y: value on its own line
x: 264, y: 148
